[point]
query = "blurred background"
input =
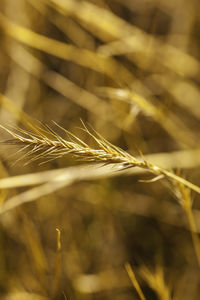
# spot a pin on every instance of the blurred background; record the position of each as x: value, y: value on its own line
x: 131, y: 70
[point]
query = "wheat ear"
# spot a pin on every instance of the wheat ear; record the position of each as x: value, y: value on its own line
x: 47, y: 145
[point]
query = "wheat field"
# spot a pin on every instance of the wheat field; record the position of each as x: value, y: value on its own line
x: 99, y: 149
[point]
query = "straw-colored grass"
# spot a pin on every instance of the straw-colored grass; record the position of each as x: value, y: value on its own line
x: 77, y: 204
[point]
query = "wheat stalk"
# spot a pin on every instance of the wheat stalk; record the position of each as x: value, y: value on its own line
x: 47, y: 145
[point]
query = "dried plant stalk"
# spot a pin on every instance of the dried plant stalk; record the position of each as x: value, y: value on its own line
x: 184, y: 196
x: 134, y: 281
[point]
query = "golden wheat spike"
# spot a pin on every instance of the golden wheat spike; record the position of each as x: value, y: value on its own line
x: 47, y: 148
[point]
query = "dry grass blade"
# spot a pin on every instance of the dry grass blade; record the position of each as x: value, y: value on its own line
x: 51, y: 181
x: 23, y: 295
x: 184, y: 197
x: 156, y: 281
x: 48, y: 145
x: 57, y: 267
x: 86, y: 58
x: 173, y: 125
x: 134, y: 281
x: 130, y: 37
x: 33, y: 194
